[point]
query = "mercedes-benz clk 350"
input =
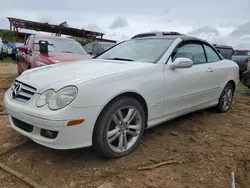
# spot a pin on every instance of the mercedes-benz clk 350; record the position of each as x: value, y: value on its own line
x: 109, y: 101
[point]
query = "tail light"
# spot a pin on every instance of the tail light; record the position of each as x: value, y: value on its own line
x: 247, y: 60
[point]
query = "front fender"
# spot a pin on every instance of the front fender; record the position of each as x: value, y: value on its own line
x: 101, y: 92
x: 148, y: 82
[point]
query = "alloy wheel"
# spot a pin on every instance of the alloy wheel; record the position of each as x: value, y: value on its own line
x: 124, y: 129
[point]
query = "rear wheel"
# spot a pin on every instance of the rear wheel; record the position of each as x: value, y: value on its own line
x: 226, y: 98
x: 119, y: 128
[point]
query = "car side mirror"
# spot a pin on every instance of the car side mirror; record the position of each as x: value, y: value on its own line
x: 181, y: 63
x: 23, y: 49
x: 43, y: 46
x: 90, y: 52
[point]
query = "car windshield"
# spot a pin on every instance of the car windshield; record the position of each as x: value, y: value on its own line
x: 143, y: 50
x: 106, y: 46
x: 61, y: 45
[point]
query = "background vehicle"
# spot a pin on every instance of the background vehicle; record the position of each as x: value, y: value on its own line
x: 9, y: 48
x: 241, y: 57
x: 95, y: 48
x: 5, y: 49
x: 1, y: 49
x: 58, y: 50
x: 246, y: 78
x: 225, y: 51
x: 138, y: 84
x: 15, y: 50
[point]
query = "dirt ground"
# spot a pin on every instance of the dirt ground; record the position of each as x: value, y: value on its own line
x: 203, y: 149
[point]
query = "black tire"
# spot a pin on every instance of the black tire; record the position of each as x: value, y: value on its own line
x: 99, y: 140
x: 240, y: 75
x: 220, y: 107
x: 1, y: 55
x: 13, y: 57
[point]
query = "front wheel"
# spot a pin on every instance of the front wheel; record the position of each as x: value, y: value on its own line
x: 119, y: 128
x: 226, y: 98
x: 1, y: 55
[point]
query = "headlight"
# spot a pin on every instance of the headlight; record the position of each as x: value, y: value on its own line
x: 39, y: 63
x: 63, y: 97
x: 45, y: 98
x: 57, y: 100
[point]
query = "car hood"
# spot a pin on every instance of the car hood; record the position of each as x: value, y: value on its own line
x: 58, y: 57
x: 59, y: 75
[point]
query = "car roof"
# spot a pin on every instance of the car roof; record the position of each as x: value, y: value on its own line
x: 167, y: 35
x: 51, y: 37
x: 172, y: 35
x: 106, y: 42
x: 222, y: 46
x: 98, y: 42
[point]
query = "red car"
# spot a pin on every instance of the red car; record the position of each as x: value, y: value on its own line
x: 57, y: 50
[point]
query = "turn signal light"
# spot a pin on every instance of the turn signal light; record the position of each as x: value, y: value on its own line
x: 75, y: 122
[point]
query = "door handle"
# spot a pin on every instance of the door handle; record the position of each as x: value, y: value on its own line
x: 210, y: 70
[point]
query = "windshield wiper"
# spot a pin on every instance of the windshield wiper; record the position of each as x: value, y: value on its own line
x: 119, y: 59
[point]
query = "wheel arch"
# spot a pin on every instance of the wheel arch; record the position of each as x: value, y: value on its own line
x: 131, y: 94
x: 233, y: 84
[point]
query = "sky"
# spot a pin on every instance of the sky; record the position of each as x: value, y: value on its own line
x: 217, y: 21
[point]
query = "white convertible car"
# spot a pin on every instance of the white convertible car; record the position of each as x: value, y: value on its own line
x: 107, y: 102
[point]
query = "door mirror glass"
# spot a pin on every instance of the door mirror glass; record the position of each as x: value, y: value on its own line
x: 181, y: 63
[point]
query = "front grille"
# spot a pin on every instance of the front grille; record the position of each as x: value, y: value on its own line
x: 22, y: 125
x: 21, y: 91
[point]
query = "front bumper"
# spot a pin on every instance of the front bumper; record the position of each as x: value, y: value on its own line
x: 246, y: 78
x: 31, y: 122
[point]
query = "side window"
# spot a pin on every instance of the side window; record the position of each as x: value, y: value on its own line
x: 194, y: 52
x: 211, y: 54
x: 226, y: 53
x: 97, y: 50
x: 89, y: 47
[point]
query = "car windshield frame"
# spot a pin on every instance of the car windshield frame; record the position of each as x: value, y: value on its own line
x: 141, y: 45
x: 58, y: 42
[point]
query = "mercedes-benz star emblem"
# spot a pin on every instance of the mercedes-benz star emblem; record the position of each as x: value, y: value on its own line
x: 16, y: 90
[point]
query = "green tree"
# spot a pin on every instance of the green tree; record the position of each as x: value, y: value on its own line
x: 7, y: 35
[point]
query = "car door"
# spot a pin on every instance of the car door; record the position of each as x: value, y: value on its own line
x: 23, y: 54
x: 30, y: 51
x: 22, y: 58
x: 189, y: 87
x: 217, y: 69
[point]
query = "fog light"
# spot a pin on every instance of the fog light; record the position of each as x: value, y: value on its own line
x: 48, y: 133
